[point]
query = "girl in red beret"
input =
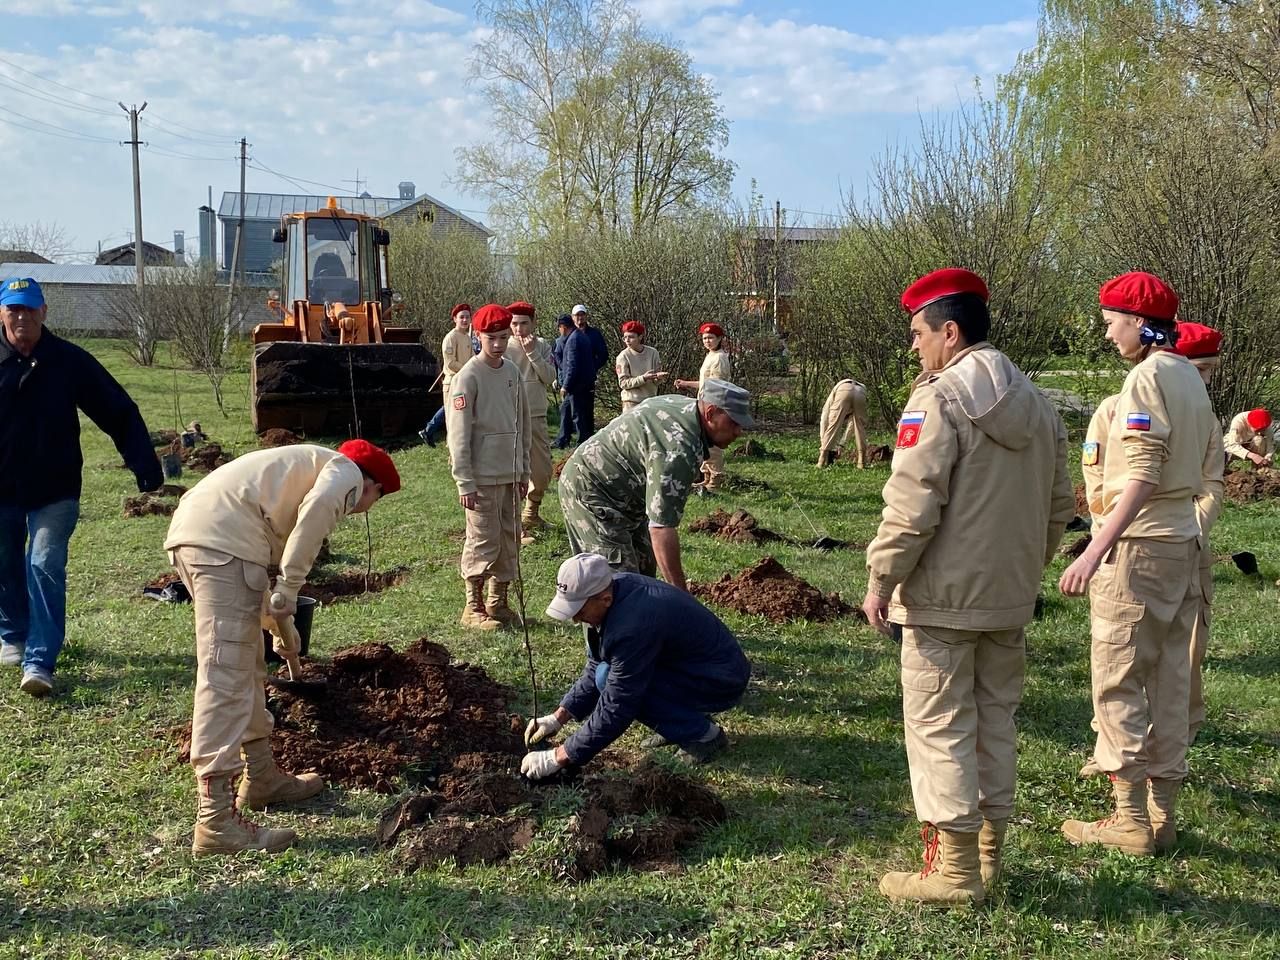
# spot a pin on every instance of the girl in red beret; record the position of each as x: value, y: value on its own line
x: 715, y: 366
x: 638, y: 367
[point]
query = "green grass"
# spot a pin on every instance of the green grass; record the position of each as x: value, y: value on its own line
x: 97, y: 811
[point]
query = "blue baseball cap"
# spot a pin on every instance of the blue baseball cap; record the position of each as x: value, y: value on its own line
x: 21, y: 292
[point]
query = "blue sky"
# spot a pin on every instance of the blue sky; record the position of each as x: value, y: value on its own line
x: 814, y: 91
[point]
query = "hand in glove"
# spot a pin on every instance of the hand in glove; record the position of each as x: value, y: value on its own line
x: 541, y: 728
x: 540, y: 764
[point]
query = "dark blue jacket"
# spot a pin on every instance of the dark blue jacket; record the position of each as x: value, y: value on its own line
x: 653, y: 633
x: 577, y: 366
x: 599, y: 349
x: 40, y: 459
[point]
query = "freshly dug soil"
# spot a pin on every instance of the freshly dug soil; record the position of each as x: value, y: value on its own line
x: 163, y: 438
x: 1259, y: 483
x: 755, y: 450
x: 736, y: 527
x: 206, y: 456
x: 1077, y: 547
x: 278, y: 437
x: 162, y: 581
x: 880, y: 454
x: 1082, y: 502
x: 558, y: 468
x: 767, y: 589
x: 351, y: 584
x: 148, y: 505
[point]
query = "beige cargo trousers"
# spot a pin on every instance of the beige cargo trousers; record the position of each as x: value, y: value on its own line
x: 960, y: 691
x: 492, y: 534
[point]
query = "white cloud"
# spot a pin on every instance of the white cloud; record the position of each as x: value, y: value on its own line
x: 666, y: 13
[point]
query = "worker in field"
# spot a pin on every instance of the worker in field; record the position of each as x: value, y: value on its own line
x: 270, y: 509
x: 716, y: 365
x: 532, y: 355
x: 638, y: 367
x: 624, y: 491
x: 1202, y: 346
x: 1252, y: 437
x: 489, y: 446
x: 845, y: 409
x: 980, y: 470
x: 455, y: 351
x: 654, y: 655
x: 45, y: 382
x: 1142, y: 567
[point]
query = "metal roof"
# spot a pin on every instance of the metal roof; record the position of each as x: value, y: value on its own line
x: 272, y: 206
x: 45, y: 273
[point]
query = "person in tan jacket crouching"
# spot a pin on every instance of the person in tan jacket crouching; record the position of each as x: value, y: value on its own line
x: 974, y: 509
x: 267, y: 508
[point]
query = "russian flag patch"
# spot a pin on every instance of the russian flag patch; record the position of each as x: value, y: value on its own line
x: 909, y: 428
x: 1138, y: 421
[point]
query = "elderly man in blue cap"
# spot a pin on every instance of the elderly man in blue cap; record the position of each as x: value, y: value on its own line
x: 44, y: 382
x: 654, y: 654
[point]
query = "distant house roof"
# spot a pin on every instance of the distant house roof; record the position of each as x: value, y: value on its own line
x: 126, y: 251
x: 22, y: 256
x: 55, y: 273
x: 272, y: 206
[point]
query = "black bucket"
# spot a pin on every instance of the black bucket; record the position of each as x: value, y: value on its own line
x: 302, y: 620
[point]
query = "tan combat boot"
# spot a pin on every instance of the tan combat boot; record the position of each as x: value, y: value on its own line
x: 1127, y: 830
x: 530, y: 517
x: 826, y: 458
x: 221, y: 829
x: 264, y: 784
x: 497, y: 606
x: 1161, y: 801
x: 991, y: 850
x: 1090, y: 769
x: 951, y: 874
x: 474, y: 614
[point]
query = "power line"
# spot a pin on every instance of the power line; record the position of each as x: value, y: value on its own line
x: 64, y: 132
x: 166, y: 152
x: 14, y: 84
x: 296, y: 181
x: 210, y: 141
x: 91, y: 96
x: 183, y: 126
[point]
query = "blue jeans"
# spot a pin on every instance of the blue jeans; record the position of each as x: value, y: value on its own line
x: 436, y: 423
x: 33, y: 578
x: 577, y: 410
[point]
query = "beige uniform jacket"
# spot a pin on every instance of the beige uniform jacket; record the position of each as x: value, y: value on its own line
x: 1164, y: 433
x: 716, y: 366
x: 631, y: 367
x: 487, y: 420
x: 1208, y: 502
x: 1242, y: 440
x: 537, y: 373
x: 977, y: 501
x: 270, y: 507
x: 455, y: 351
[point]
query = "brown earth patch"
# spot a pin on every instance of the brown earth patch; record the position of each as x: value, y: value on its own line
x: 1076, y: 548
x: 148, y: 505
x: 1082, y: 502
x: 880, y: 454
x: 558, y: 468
x: 206, y: 457
x: 767, y: 589
x: 278, y: 437
x: 1246, y: 486
x: 755, y: 450
x: 736, y: 527
x: 351, y: 584
x: 162, y: 581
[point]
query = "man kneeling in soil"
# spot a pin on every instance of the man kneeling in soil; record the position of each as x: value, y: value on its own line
x: 654, y: 654
x: 267, y: 508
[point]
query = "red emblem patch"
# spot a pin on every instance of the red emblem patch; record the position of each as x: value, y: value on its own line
x: 909, y: 428
x: 460, y: 402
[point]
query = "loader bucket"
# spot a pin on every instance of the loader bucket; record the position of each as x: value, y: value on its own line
x: 322, y: 389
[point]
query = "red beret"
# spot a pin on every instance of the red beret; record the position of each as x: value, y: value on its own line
x: 1258, y: 419
x: 491, y: 318
x: 713, y: 328
x: 633, y: 326
x: 948, y: 282
x: 522, y: 308
x: 1197, y: 342
x: 373, y: 461
x: 1142, y: 294
x: 459, y: 307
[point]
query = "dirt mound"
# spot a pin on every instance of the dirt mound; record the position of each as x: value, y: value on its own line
x: 558, y: 468
x: 1076, y: 548
x: 755, y: 450
x: 767, y: 589
x: 880, y: 454
x: 350, y: 584
x: 206, y: 457
x: 163, y: 438
x: 1082, y: 502
x: 162, y: 581
x: 278, y: 437
x: 148, y: 505
x: 1246, y: 486
x: 736, y: 527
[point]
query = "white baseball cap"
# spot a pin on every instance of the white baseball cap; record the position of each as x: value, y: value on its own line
x: 579, y: 579
x: 579, y: 308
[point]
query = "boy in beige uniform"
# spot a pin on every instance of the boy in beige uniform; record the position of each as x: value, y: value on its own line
x: 715, y: 366
x: 488, y: 425
x: 980, y: 470
x: 638, y: 367
x: 455, y: 350
x: 1141, y: 570
x: 1251, y: 437
x: 846, y: 407
x: 532, y: 355
x: 267, y: 508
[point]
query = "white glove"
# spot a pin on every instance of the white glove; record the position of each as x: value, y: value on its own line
x: 541, y: 728
x: 539, y: 764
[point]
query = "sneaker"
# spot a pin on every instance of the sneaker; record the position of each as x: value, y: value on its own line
x: 656, y: 742
x: 428, y: 437
x: 37, y: 681
x: 701, y: 751
x: 11, y: 654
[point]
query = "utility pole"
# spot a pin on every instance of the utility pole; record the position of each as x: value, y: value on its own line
x: 777, y: 260
x: 236, y: 266
x: 137, y: 195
